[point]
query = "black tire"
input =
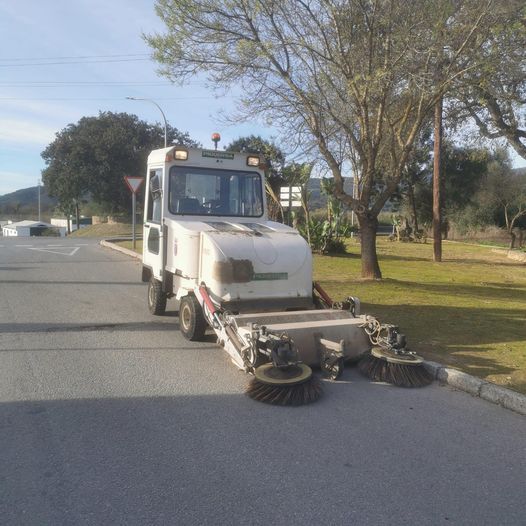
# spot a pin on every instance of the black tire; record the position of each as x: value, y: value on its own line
x: 192, y: 323
x: 156, y: 297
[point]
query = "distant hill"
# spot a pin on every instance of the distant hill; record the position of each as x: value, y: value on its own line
x: 25, y: 202
x: 28, y: 196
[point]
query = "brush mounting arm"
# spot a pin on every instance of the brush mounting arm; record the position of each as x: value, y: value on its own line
x: 278, y: 347
x: 385, y: 335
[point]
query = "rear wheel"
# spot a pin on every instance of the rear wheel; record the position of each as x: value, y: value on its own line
x: 156, y: 297
x: 192, y: 323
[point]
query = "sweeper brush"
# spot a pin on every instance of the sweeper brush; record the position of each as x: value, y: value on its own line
x: 402, y: 370
x: 290, y: 385
x: 389, y: 361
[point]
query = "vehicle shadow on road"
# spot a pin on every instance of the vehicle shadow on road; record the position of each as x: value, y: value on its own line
x: 87, y: 327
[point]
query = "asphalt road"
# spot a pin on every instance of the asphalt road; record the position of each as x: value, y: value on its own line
x: 107, y: 416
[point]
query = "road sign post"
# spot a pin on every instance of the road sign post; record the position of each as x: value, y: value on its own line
x: 134, y: 183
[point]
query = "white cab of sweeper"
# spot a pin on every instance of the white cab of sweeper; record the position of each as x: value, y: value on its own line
x: 205, y: 221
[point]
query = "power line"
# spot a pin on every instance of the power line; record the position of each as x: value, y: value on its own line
x: 100, y: 99
x: 75, y: 57
x: 3, y: 82
x: 80, y: 84
x: 67, y: 83
x: 74, y: 62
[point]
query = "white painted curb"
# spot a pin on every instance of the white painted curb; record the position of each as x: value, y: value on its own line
x: 475, y: 386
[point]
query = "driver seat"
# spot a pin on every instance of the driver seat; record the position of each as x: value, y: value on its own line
x: 188, y: 205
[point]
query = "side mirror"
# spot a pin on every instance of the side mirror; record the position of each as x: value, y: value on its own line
x: 155, y: 186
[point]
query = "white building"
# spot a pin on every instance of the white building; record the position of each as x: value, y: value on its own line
x: 30, y: 228
x: 84, y: 222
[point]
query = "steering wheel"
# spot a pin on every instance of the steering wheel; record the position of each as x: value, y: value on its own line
x: 214, y: 206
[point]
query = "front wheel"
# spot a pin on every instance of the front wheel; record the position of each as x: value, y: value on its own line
x: 156, y: 297
x: 192, y: 323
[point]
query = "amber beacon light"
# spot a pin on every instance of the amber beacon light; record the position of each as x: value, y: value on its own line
x: 216, y: 138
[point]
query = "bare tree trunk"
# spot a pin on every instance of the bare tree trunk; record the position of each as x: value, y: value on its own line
x: 77, y: 214
x: 512, y: 238
x: 437, y: 215
x: 411, y: 195
x: 305, y: 204
x: 370, y: 266
x: 273, y: 204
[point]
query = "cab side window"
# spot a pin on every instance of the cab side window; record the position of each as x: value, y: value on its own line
x: 155, y: 197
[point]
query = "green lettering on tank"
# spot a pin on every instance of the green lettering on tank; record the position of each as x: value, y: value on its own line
x: 270, y: 276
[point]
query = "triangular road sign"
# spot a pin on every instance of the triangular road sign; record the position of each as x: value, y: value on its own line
x: 134, y: 183
x: 61, y: 251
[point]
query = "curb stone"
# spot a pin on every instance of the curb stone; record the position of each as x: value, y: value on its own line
x: 504, y: 397
x: 475, y: 386
x: 110, y: 243
x: 465, y: 382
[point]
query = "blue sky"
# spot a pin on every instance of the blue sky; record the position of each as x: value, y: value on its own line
x: 39, y: 98
x: 36, y: 101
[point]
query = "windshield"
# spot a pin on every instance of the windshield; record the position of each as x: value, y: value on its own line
x: 202, y: 191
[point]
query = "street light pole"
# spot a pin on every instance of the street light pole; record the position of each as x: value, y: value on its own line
x: 39, y: 200
x: 162, y: 113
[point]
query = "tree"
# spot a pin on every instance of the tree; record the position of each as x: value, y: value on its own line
x: 495, y: 95
x: 93, y: 156
x: 255, y: 144
x: 504, y: 192
x: 64, y: 177
x: 298, y: 174
x: 464, y: 169
x: 416, y: 175
x: 354, y: 79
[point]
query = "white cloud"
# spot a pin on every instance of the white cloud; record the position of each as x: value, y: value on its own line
x: 41, y: 108
x: 26, y: 132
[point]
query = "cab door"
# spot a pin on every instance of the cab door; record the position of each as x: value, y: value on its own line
x: 152, y: 244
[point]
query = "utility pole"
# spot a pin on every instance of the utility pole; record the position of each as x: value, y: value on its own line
x: 39, y: 181
x: 437, y: 201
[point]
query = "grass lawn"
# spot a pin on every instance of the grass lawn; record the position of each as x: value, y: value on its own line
x: 128, y: 245
x: 107, y: 230
x: 468, y: 312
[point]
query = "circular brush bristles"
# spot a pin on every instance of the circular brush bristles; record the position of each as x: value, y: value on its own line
x: 379, y: 370
x: 299, y: 394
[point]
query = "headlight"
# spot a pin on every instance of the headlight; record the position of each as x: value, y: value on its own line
x: 180, y: 155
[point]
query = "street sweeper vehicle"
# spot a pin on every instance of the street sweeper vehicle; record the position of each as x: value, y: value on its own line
x: 208, y: 244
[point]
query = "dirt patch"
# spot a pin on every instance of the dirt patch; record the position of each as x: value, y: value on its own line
x: 233, y: 271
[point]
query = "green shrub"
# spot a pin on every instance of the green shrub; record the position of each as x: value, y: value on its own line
x: 327, y: 237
